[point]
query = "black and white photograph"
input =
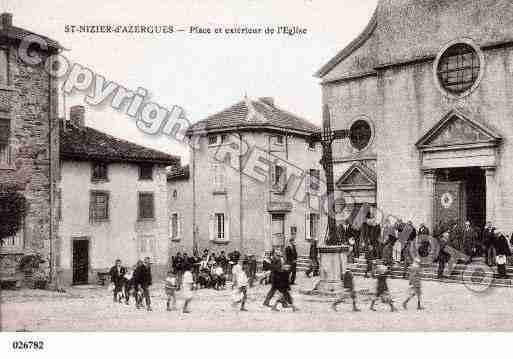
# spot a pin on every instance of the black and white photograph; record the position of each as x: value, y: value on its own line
x: 255, y: 166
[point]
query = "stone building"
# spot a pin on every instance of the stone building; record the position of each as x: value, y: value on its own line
x: 113, y: 203
x: 29, y: 145
x: 427, y: 89
x: 254, y: 181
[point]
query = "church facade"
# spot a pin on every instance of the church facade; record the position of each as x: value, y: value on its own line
x: 426, y: 90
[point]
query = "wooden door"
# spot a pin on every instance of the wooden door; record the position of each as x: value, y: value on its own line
x: 80, y: 261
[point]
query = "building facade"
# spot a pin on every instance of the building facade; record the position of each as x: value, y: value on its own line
x: 29, y: 147
x: 113, y: 203
x: 254, y: 181
x: 426, y: 90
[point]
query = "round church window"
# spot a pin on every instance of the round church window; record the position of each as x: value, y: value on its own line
x: 458, y: 68
x: 360, y: 134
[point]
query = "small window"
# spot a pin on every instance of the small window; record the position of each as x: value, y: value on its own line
x: 99, y: 206
x: 4, y: 68
x: 458, y: 68
x: 175, y: 194
x: 5, y: 135
x: 311, y: 145
x: 360, y: 134
x: 146, y: 206
x: 145, y: 171
x: 218, y: 176
x: 315, y: 176
x: 219, y: 226
x: 279, y: 172
x: 100, y: 172
x: 212, y: 140
x: 224, y: 138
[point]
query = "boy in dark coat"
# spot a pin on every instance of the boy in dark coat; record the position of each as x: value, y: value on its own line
x: 282, y: 285
x: 117, y: 277
x: 382, y: 291
x: 349, y: 291
x: 415, y: 284
x: 143, y: 281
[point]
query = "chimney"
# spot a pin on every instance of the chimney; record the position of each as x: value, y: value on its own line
x: 77, y: 115
x: 6, y: 20
x: 267, y: 100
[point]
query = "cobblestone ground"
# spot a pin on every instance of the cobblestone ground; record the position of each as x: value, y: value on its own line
x: 448, y: 307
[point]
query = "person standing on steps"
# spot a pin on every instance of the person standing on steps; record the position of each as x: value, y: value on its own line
x: 291, y: 260
x: 415, y: 284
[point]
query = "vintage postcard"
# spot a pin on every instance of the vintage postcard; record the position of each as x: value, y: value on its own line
x: 255, y: 166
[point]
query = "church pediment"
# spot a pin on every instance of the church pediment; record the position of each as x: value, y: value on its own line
x: 357, y: 176
x: 456, y: 129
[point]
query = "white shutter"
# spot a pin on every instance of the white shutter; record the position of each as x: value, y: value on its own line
x: 283, y: 179
x: 179, y: 225
x: 227, y: 228
x: 307, y: 226
x: 211, y: 229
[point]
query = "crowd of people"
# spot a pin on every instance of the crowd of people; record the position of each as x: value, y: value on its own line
x: 398, y: 243
x: 449, y: 244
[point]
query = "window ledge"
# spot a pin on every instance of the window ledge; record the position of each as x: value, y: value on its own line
x: 146, y: 220
x: 9, y: 88
x: 99, y: 221
x: 146, y: 179
x: 220, y: 241
x: 219, y: 191
x: 99, y: 180
x: 175, y: 239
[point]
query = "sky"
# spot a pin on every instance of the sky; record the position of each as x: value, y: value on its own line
x: 202, y: 73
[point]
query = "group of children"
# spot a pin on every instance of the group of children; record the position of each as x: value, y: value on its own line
x: 171, y: 286
x: 382, y: 292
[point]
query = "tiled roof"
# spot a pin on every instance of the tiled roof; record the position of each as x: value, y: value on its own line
x: 85, y: 143
x: 178, y: 173
x: 17, y: 34
x: 253, y: 114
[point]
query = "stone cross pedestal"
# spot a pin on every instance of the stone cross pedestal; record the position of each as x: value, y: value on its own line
x: 332, y: 266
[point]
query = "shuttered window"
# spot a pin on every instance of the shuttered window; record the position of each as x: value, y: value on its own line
x: 99, y: 206
x: 5, y: 135
x: 146, y: 206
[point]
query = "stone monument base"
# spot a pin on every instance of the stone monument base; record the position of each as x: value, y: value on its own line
x: 332, y: 266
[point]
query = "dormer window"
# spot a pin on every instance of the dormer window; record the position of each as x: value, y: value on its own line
x: 99, y: 172
x: 145, y: 172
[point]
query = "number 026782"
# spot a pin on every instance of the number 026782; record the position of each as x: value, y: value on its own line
x: 27, y: 345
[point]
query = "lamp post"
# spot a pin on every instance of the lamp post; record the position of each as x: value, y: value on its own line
x: 333, y: 254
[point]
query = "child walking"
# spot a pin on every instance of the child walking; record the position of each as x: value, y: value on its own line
x: 170, y: 286
x: 415, y: 284
x: 240, y: 285
x: 382, y: 289
x: 349, y: 291
x: 187, y: 287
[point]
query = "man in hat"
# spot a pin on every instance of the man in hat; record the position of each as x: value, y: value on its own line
x: 117, y: 277
x: 291, y: 259
x: 415, y: 284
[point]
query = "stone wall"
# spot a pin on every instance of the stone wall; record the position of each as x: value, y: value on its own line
x: 29, y: 101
